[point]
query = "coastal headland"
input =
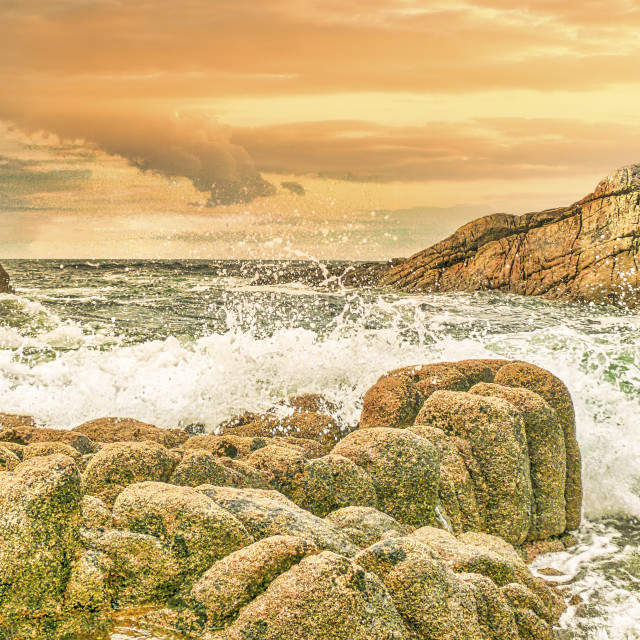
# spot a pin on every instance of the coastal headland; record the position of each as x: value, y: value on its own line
x: 586, y: 252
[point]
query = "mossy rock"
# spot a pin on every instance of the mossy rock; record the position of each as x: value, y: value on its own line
x: 404, y: 469
x: 324, y: 597
x: 194, y: 527
x: 120, y: 464
x: 234, y: 581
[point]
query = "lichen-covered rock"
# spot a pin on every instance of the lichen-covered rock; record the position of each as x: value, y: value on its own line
x: 436, y: 376
x: 495, y: 617
x: 234, y: 581
x: 320, y: 485
x: 143, y: 571
x: 300, y: 424
x: 496, y: 432
x: 16, y: 449
x: 269, y: 513
x: 95, y: 513
x: 393, y: 401
x: 366, y: 525
x: 8, y: 460
x: 547, y: 457
x: 195, y: 528
x: 462, y: 490
x: 119, y: 464
x: 324, y: 597
x: 313, y: 402
x: 199, y: 466
x: 35, y: 449
x: 39, y: 522
x: 404, y: 468
x: 130, y: 430
x: 13, y: 420
x: 555, y: 392
x: 491, y: 556
x: 25, y: 435
x: 431, y: 600
x: 89, y: 584
x: 228, y: 446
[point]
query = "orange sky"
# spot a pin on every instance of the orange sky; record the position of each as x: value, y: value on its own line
x: 166, y: 129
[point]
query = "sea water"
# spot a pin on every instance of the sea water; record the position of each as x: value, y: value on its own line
x: 182, y: 342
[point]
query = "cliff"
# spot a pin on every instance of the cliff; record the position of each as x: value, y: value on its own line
x: 585, y: 252
x: 5, y: 287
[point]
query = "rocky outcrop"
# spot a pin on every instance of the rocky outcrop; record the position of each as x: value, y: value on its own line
x: 231, y: 537
x: 5, y: 287
x: 585, y: 252
x: 509, y: 462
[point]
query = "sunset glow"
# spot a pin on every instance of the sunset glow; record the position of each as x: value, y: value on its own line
x: 167, y: 129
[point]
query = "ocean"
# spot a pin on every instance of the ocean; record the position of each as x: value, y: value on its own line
x: 176, y: 343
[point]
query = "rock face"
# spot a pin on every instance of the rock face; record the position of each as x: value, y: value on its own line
x: 585, y: 252
x: 5, y: 287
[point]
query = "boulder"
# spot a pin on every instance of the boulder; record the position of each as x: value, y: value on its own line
x: 495, y: 430
x: 547, y: 457
x: 320, y: 485
x: 324, y: 597
x: 393, y: 401
x: 13, y: 420
x: 199, y: 466
x: 366, y: 526
x: 396, y: 398
x: 40, y: 511
x: 462, y: 490
x: 143, y: 570
x: 130, y: 430
x: 36, y: 449
x: 404, y: 468
x: 25, y: 435
x: 431, y: 600
x: 269, y: 513
x: 8, y: 460
x: 234, y: 581
x: 196, y: 530
x: 584, y: 252
x: 555, y: 392
x: 300, y: 424
x: 95, y: 513
x: 5, y: 287
x: 120, y: 464
x: 495, y: 617
x: 89, y: 583
x: 491, y: 556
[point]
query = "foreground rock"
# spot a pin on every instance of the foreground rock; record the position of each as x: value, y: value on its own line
x: 5, y: 287
x: 231, y: 537
x: 585, y: 252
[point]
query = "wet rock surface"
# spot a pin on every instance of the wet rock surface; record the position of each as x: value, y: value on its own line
x: 5, y: 286
x: 402, y: 530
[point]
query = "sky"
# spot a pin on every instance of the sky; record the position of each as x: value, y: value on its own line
x: 367, y: 129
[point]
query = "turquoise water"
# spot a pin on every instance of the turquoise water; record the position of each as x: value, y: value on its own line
x: 174, y: 343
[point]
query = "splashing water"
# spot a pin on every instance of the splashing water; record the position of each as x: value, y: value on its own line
x: 177, y: 343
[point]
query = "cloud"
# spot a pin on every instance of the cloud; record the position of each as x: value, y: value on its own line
x: 178, y: 146
x: 489, y: 148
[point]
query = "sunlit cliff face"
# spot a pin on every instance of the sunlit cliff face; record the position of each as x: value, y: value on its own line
x: 290, y: 129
